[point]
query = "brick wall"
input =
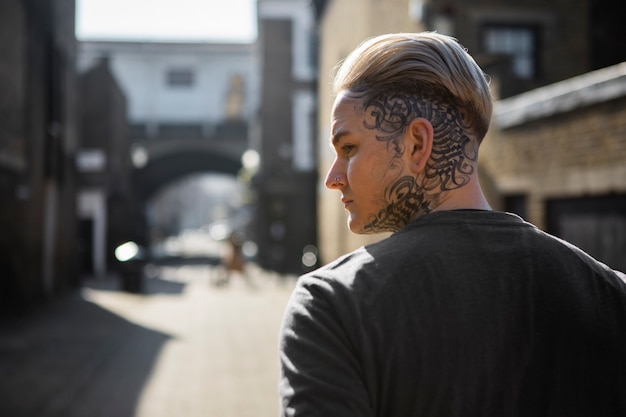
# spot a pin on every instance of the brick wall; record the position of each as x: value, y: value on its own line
x: 580, y: 152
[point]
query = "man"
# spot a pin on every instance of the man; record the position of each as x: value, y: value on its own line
x: 462, y: 311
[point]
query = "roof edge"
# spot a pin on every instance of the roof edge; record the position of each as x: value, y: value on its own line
x: 593, y: 87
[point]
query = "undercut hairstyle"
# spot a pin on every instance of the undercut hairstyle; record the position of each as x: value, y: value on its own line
x: 404, y: 76
x: 426, y: 67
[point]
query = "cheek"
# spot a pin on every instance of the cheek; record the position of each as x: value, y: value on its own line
x: 369, y: 176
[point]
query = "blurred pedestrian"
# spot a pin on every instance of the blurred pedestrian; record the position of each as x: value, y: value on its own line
x: 463, y: 310
x: 233, y: 260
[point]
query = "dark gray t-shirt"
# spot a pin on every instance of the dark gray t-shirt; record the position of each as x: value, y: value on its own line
x: 462, y: 313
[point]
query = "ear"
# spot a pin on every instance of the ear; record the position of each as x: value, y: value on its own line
x: 419, y: 143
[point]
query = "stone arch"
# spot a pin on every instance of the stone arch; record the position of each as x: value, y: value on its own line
x: 160, y: 171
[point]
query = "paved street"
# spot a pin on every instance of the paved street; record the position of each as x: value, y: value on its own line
x: 183, y: 348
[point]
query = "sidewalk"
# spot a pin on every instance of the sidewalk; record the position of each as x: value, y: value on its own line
x: 184, y: 348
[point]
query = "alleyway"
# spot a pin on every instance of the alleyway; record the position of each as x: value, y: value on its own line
x: 184, y: 348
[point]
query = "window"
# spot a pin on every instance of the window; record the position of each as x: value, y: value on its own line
x: 90, y: 160
x: 180, y: 130
x: 180, y: 77
x: 138, y: 130
x: 518, y: 41
x: 517, y: 204
x: 303, y: 122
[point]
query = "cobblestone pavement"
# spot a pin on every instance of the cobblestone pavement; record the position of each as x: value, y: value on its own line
x: 183, y: 348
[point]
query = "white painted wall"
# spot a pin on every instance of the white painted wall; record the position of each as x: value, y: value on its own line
x: 141, y: 70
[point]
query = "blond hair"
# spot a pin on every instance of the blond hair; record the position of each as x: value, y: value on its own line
x: 428, y: 65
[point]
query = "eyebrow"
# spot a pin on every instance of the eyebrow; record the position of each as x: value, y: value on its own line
x: 336, y: 138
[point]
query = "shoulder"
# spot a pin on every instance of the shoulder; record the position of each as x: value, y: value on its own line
x: 339, y: 288
x: 579, y: 259
x: 340, y: 272
x: 566, y: 263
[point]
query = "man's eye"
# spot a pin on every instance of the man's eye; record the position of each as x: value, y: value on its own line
x: 347, y: 149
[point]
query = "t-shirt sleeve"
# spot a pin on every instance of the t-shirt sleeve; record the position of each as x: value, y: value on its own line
x: 320, y: 369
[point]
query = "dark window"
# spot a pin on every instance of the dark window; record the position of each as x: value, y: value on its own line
x: 138, y: 130
x: 520, y: 42
x: 516, y: 204
x: 180, y: 77
x: 595, y: 224
x: 607, y: 31
x: 180, y: 130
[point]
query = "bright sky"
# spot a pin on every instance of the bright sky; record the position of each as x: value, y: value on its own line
x: 175, y: 20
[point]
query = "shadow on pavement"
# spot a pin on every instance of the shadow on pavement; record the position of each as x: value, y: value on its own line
x: 73, y: 358
x: 151, y: 286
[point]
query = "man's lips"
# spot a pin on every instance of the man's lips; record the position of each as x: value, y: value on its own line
x: 346, y: 202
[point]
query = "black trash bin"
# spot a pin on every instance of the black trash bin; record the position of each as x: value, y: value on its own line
x: 132, y: 259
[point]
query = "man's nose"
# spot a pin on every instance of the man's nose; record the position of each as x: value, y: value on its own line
x: 335, y: 180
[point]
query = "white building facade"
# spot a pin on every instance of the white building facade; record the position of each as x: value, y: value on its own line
x: 180, y: 87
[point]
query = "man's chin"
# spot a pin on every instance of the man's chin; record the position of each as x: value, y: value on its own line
x: 360, y: 229
x: 354, y: 226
